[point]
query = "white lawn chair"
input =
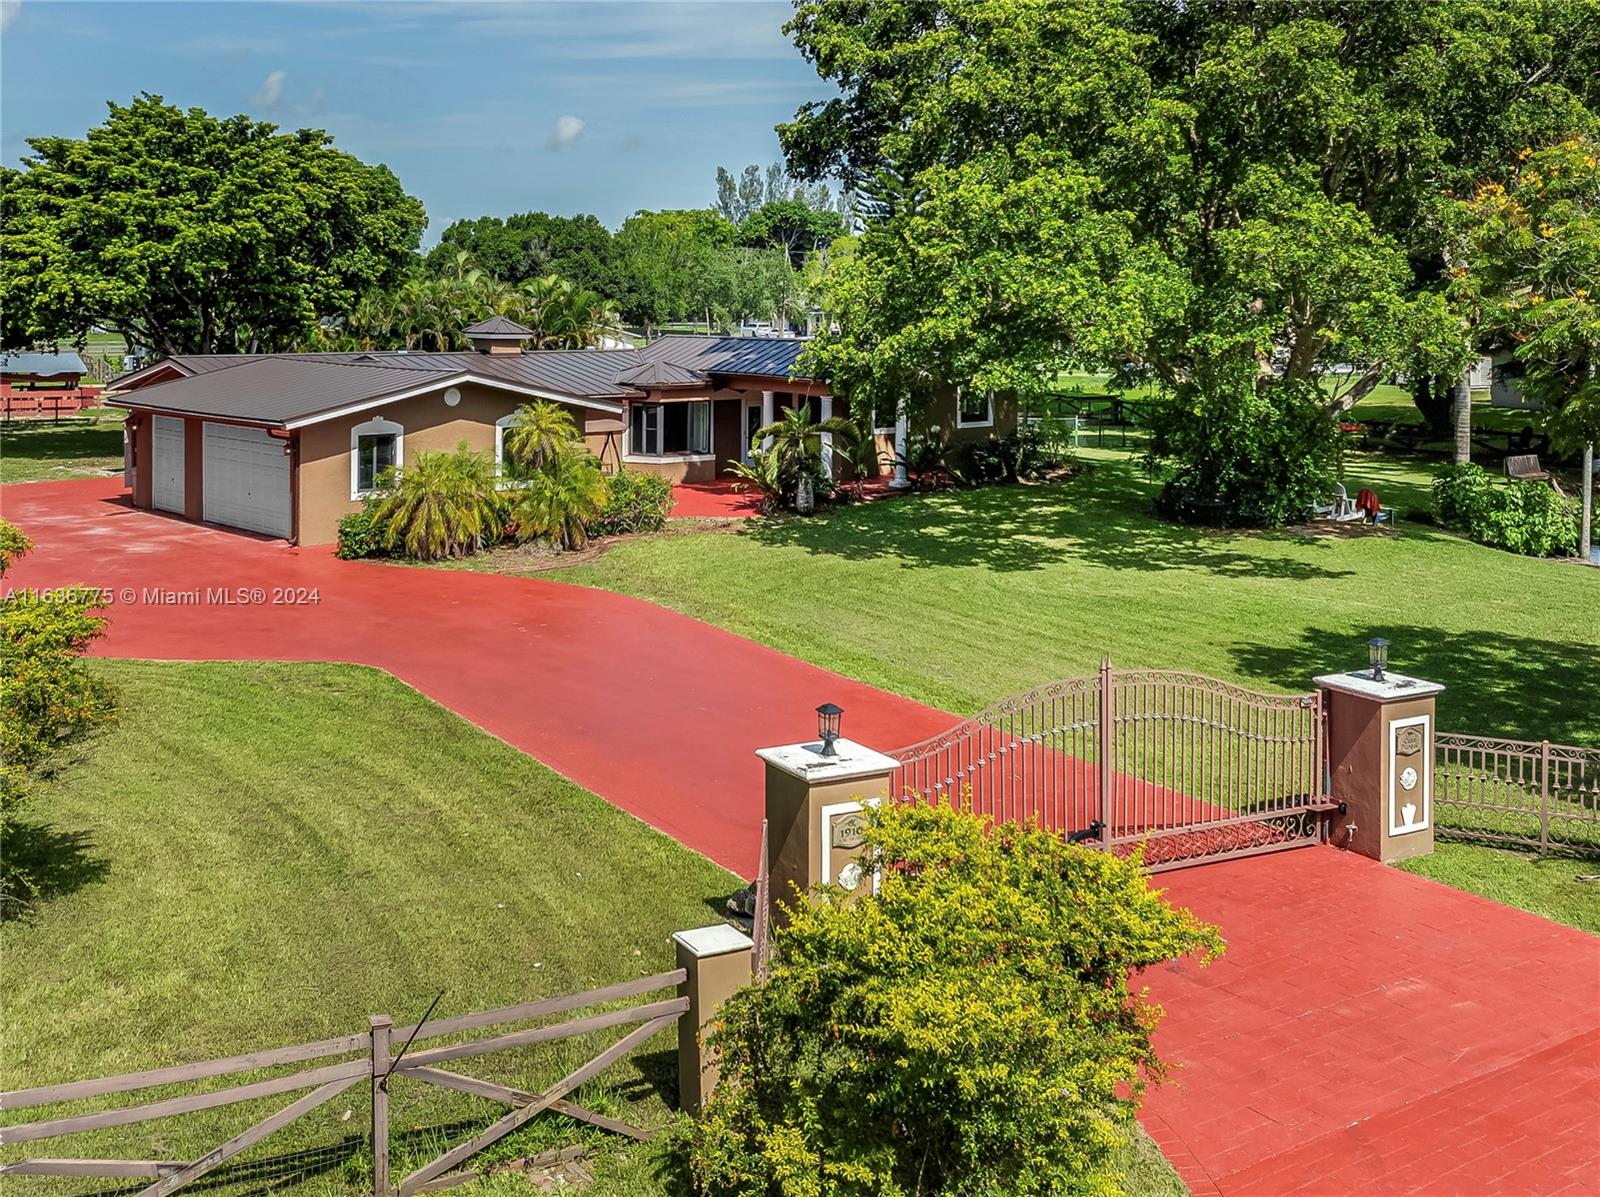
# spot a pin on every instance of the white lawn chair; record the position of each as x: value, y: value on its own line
x: 1341, y: 510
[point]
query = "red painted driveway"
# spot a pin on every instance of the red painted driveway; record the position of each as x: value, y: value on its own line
x: 630, y: 700
x: 1368, y: 1032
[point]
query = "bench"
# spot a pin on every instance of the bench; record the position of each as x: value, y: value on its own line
x: 1525, y: 467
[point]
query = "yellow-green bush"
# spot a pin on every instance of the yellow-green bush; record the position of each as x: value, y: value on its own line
x: 970, y: 1029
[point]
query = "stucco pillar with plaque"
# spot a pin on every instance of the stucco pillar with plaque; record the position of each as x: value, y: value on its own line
x: 1380, y: 761
x: 815, y: 806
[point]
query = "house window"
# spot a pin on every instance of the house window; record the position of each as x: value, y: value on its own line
x: 375, y: 447
x: 974, y: 409
x: 664, y: 429
x: 374, y: 454
x: 502, y: 430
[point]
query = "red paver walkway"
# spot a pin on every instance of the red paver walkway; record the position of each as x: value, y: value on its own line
x: 726, y: 498
x: 714, y: 500
x: 1368, y: 1032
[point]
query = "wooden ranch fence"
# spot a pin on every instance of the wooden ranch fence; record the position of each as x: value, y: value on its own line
x: 1527, y: 792
x: 378, y: 1068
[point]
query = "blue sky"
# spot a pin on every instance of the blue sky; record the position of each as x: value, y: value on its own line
x: 603, y: 106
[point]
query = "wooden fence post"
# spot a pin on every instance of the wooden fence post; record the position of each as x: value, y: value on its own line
x: 380, y: 1026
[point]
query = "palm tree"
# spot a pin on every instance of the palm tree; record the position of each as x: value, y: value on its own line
x: 560, y: 500
x: 539, y: 432
x: 797, y: 445
x: 441, y: 505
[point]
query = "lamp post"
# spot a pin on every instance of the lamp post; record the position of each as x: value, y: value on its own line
x: 828, y: 727
x: 1378, y: 656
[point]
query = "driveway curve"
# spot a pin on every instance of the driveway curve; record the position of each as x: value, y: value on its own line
x: 657, y: 712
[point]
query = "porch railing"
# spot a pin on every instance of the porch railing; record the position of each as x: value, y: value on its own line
x: 1532, y: 793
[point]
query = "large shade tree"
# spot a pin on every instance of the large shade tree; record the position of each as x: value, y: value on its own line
x: 189, y: 233
x: 1240, y: 203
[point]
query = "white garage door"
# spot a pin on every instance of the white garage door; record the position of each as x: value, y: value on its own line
x: 166, y: 479
x: 247, y: 479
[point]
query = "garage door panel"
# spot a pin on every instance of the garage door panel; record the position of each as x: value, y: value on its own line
x: 166, y: 463
x: 246, y: 479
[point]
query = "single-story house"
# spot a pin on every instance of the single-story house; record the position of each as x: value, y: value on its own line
x: 285, y: 444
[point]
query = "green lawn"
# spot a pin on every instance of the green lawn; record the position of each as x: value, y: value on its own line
x: 960, y: 598
x: 1547, y: 886
x: 262, y: 854
x: 87, y: 445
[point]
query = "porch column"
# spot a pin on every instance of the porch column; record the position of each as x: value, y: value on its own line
x: 900, y: 481
x: 767, y: 416
x: 826, y: 404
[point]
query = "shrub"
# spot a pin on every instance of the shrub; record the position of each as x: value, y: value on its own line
x: 539, y: 432
x: 635, y: 503
x: 1243, y: 455
x: 1522, y: 517
x: 360, y: 535
x: 13, y: 544
x: 1461, y: 493
x: 561, y: 500
x: 762, y: 475
x: 969, y: 1029
x: 48, y: 700
x: 1028, y: 453
x: 442, y: 505
x: 1530, y: 518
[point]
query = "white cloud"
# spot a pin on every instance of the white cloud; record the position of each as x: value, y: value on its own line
x: 567, y: 129
x: 8, y: 12
x: 271, y: 90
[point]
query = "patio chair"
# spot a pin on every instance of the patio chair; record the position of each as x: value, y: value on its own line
x: 1341, y: 509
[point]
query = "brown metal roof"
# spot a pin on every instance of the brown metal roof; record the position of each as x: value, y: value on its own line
x: 498, y: 327
x: 274, y: 390
x: 660, y: 373
x: 281, y: 388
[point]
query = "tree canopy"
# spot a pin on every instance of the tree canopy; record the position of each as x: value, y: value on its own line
x: 1531, y: 262
x: 186, y: 232
x: 1240, y: 203
x: 533, y: 244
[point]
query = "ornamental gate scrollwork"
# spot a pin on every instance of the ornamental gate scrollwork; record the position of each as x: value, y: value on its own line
x: 1189, y: 767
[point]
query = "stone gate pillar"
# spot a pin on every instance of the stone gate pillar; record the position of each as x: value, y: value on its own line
x: 1380, y: 761
x: 814, y: 805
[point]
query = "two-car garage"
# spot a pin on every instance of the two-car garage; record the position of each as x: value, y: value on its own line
x: 243, y: 480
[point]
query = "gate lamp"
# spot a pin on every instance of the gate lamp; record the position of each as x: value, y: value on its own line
x: 1378, y: 656
x: 828, y: 727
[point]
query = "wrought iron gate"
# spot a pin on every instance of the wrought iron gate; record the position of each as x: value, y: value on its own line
x: 1192, y: 768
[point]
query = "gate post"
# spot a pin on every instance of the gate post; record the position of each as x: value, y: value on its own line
x: 717, y: 964
x: 1380, y: 761
x: 814, y: 805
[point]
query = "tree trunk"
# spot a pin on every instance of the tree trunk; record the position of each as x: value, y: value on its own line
x: 1461, y: 418
x: 805, y: 497
x: 1586, y: 525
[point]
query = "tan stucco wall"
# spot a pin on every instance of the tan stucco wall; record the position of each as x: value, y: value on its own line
x: 430, y: 427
